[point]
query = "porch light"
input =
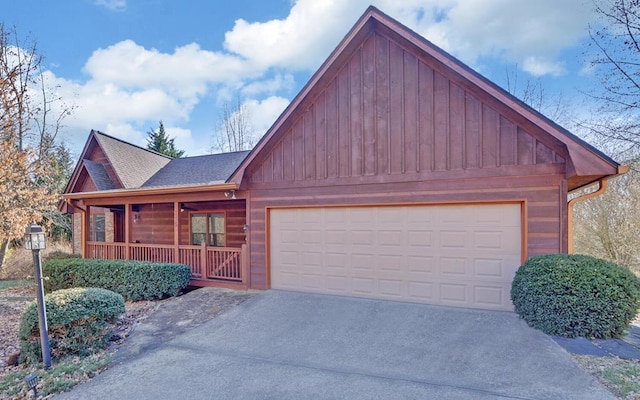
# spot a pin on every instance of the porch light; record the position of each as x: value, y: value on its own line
x: 231, y: 193
x: 34, y: 240
x: 32, y: 382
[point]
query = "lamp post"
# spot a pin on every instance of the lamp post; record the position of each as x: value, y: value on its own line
x: 34, y: 240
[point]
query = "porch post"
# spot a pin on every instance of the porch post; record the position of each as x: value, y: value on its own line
x: 204, y: 267
x: 176, y: 232
x: 127, y: 231
x: 86, y: 234
x: 244, y: 270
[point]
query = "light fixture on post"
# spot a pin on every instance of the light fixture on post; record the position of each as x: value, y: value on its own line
x: 35, y: 240
x: 231, y: 193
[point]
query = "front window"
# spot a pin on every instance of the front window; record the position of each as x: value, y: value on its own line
x: 97, y: 228
x: 208, y: 228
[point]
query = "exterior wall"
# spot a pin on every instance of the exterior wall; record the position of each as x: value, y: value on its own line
x: 544, y: 197
x: 155, y: 224
x: 388, y: 113
x: 392, y: 126
x: 235, y: 218
x: 86, y: 184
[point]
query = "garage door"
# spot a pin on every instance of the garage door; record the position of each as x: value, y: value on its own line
x: 455, y: 255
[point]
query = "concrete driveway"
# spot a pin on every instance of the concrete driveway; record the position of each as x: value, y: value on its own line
x: 285, y: 345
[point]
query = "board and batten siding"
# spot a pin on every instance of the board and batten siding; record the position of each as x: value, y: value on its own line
x: 394, y: 126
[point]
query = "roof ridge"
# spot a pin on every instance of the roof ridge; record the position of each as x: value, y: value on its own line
x: 132, y: 145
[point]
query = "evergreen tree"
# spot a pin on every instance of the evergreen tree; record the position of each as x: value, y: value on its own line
x: 160, y: 142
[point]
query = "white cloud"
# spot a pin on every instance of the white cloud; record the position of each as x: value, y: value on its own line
x: 263, y: 113
x: 537, y: 66
x: 129, y: 86
x: 186, y: 72
x: 470, y: 29
x: 113, y: 5
x: 184, y: 140
x: 513, y: 31
x: 269, y: 86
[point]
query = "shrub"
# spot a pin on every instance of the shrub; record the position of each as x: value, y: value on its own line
x: 78, y: 320
x: 576, y: 295
x: 135, y: 280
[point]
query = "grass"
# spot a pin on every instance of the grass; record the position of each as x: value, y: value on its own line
x: 61, y: 377
x: 8, y: 284
x: 624, y: 379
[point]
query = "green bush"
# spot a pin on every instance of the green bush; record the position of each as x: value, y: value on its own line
x: 135, y: 280
x: 78, y: 321
x: 576, y: 295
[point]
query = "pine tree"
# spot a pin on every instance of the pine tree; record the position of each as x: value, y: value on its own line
x: 160, y: 142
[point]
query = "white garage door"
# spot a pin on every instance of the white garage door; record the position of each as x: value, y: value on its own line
x: 456, y: 255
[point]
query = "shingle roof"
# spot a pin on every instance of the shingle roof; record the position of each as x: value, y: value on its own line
x: 197, y: 170
x: 99, y: 175
x: 134, y: 165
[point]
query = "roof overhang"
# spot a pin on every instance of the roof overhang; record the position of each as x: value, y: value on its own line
x: 151, y: 191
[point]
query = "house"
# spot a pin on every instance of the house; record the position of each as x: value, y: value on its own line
x: 396, y: 173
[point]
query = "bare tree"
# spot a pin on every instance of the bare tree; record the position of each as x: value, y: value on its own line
x: 607, y: 226
x: 32, y: 164
x: 614, y: 52
x: 533, y: 93
x: 19, y: 61
x: 235, y: 132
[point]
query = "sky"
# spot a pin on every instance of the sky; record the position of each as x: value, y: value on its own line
x: 124, y: 65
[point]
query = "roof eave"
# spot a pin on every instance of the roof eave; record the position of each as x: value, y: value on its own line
x: 150, y: 191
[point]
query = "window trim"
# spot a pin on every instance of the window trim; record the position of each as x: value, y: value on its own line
x: 207, y: 233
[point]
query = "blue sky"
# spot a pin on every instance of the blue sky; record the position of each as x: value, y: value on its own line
x: 126, y: 64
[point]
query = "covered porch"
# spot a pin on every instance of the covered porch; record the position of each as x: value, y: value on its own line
x: 204, y: 228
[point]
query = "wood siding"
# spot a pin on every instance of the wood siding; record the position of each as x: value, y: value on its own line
x: 394, y: 127
x: 155, y: 224
x: 388, y: 113
x: 544, y: 197
x: 85, y: 183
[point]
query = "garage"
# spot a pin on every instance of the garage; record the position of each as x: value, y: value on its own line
x: 455, y: 255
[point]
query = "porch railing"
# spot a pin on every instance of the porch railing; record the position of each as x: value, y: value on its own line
x: 206, y: 262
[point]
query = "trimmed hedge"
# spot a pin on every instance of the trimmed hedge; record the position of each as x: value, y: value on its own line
x: 576, y: 295
x: 78, y: 319
x: 135, y: 280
